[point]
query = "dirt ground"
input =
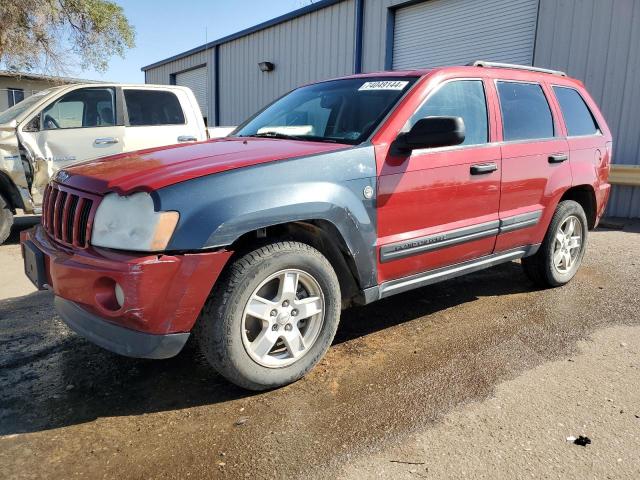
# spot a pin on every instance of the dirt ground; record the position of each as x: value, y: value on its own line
x: 479, y: 377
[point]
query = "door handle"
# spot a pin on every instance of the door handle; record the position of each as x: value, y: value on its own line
x: 483, y: 168
x: 105, y: 141
x: 558, y: 158
x: 187, y: 138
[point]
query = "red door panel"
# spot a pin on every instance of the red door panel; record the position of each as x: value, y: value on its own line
x: 433, y: 192
x: 531, y: 183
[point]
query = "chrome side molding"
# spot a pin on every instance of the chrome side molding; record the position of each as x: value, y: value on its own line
x: 428, y: 243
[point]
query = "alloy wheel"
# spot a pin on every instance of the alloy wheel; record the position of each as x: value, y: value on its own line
x: 567, y: 244
x: 283, y: 318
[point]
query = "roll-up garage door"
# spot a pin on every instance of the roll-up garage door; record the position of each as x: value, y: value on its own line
x: 456, y: 32
x: 196, y: 80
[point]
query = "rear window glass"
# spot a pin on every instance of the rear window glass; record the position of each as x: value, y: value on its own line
x: 525, y: 111
x: 576, y: 114
x: 149, y: 107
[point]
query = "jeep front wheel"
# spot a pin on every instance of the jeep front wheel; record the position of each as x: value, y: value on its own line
x: 6, y: 219
x: 272, y: 316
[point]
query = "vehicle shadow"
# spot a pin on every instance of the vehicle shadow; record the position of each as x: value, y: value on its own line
x: 50, y: 377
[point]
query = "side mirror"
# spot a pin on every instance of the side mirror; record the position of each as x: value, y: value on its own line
x: 431, y: 132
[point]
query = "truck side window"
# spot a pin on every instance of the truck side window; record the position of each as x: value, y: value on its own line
x: 577, y: 116
x: 153, y: 107
x: 460, y: 98
x: 526, y: 114
x: 86, y: 107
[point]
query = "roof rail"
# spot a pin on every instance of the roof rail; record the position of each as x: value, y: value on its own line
x: 483, y: 63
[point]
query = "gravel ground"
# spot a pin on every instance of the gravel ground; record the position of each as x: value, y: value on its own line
x: 525, y: 429
x: 482, y: 377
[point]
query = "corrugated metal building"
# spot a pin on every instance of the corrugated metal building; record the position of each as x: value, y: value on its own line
x: 594, y: 40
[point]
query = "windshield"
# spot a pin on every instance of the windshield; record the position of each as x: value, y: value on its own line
x: 12, y: 113
x: 340, y: 111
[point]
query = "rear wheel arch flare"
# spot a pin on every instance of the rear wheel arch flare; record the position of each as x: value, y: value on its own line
x: 585, y: 195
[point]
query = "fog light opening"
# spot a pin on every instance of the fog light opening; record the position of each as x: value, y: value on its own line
x: 119, y: 295
x: 109, y: 295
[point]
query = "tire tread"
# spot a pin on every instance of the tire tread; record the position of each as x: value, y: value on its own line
x: 538, y: 267
x: 212, y: 342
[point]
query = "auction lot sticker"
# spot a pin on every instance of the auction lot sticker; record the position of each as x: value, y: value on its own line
x: 384, y: 85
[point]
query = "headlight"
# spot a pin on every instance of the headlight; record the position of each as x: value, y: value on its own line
x: 131, y: 223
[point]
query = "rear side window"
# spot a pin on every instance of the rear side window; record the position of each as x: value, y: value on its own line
x: 525, y: 111
x: 461, y: 98
x: 576, y: 114
x: 153, y: 107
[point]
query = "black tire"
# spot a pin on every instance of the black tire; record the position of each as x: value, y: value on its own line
x: 219, y: 329
x: 6, y: 219
x: 540, y: 267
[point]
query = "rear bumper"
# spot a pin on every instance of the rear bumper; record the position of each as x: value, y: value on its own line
x: 119, y: 339
x: 163, y: 294
x: 602, y: 198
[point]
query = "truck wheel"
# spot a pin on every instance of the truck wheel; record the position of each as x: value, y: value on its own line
x: 271, y: 317
x: 561, y: 252
x: 6, y: 219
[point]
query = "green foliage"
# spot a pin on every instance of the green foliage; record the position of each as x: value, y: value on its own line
x: 53, y: 35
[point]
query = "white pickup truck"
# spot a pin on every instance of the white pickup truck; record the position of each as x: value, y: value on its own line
x: 72, y: 123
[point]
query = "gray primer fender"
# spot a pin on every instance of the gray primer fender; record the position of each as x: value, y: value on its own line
x: 217, y: 209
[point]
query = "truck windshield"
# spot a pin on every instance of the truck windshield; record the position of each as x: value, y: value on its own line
x: 14, y: 112
x: 340, y: 111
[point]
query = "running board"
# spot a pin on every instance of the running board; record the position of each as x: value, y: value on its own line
x: 386, y: 289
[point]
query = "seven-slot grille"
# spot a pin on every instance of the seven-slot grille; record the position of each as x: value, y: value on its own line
x: 67, y: 215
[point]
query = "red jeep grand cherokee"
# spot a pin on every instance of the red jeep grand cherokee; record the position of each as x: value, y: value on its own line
x: 340, y: 192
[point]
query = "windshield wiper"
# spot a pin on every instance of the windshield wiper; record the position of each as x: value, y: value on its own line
x: 309, y: 138
x: 273, y: 135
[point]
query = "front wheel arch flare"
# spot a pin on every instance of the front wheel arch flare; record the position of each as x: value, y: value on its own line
x: 10, y: 192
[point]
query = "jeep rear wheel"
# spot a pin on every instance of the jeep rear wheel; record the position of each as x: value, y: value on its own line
x: 272, y: 316
x: 560, y: 255
x: 6, y: 219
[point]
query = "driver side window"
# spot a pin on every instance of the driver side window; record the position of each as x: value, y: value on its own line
x: 87, y: 107
x: 460, y: 98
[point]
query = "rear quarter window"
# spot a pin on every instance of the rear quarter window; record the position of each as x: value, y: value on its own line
x: 577, y: 116
x: 526, y: 114
x: 153, y: 107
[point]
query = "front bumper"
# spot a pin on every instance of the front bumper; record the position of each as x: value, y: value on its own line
x: 163, y: 294
x: 118, y: 339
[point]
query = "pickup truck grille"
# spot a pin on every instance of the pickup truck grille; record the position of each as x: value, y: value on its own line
x: 67, y: 215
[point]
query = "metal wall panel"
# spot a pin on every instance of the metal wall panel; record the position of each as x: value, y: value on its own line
x: 315, y: 46
x: 162, y: 75
x: 375, y: 35
x: 598, y: 41
x: 197, y: 80
x: 455, y: 32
